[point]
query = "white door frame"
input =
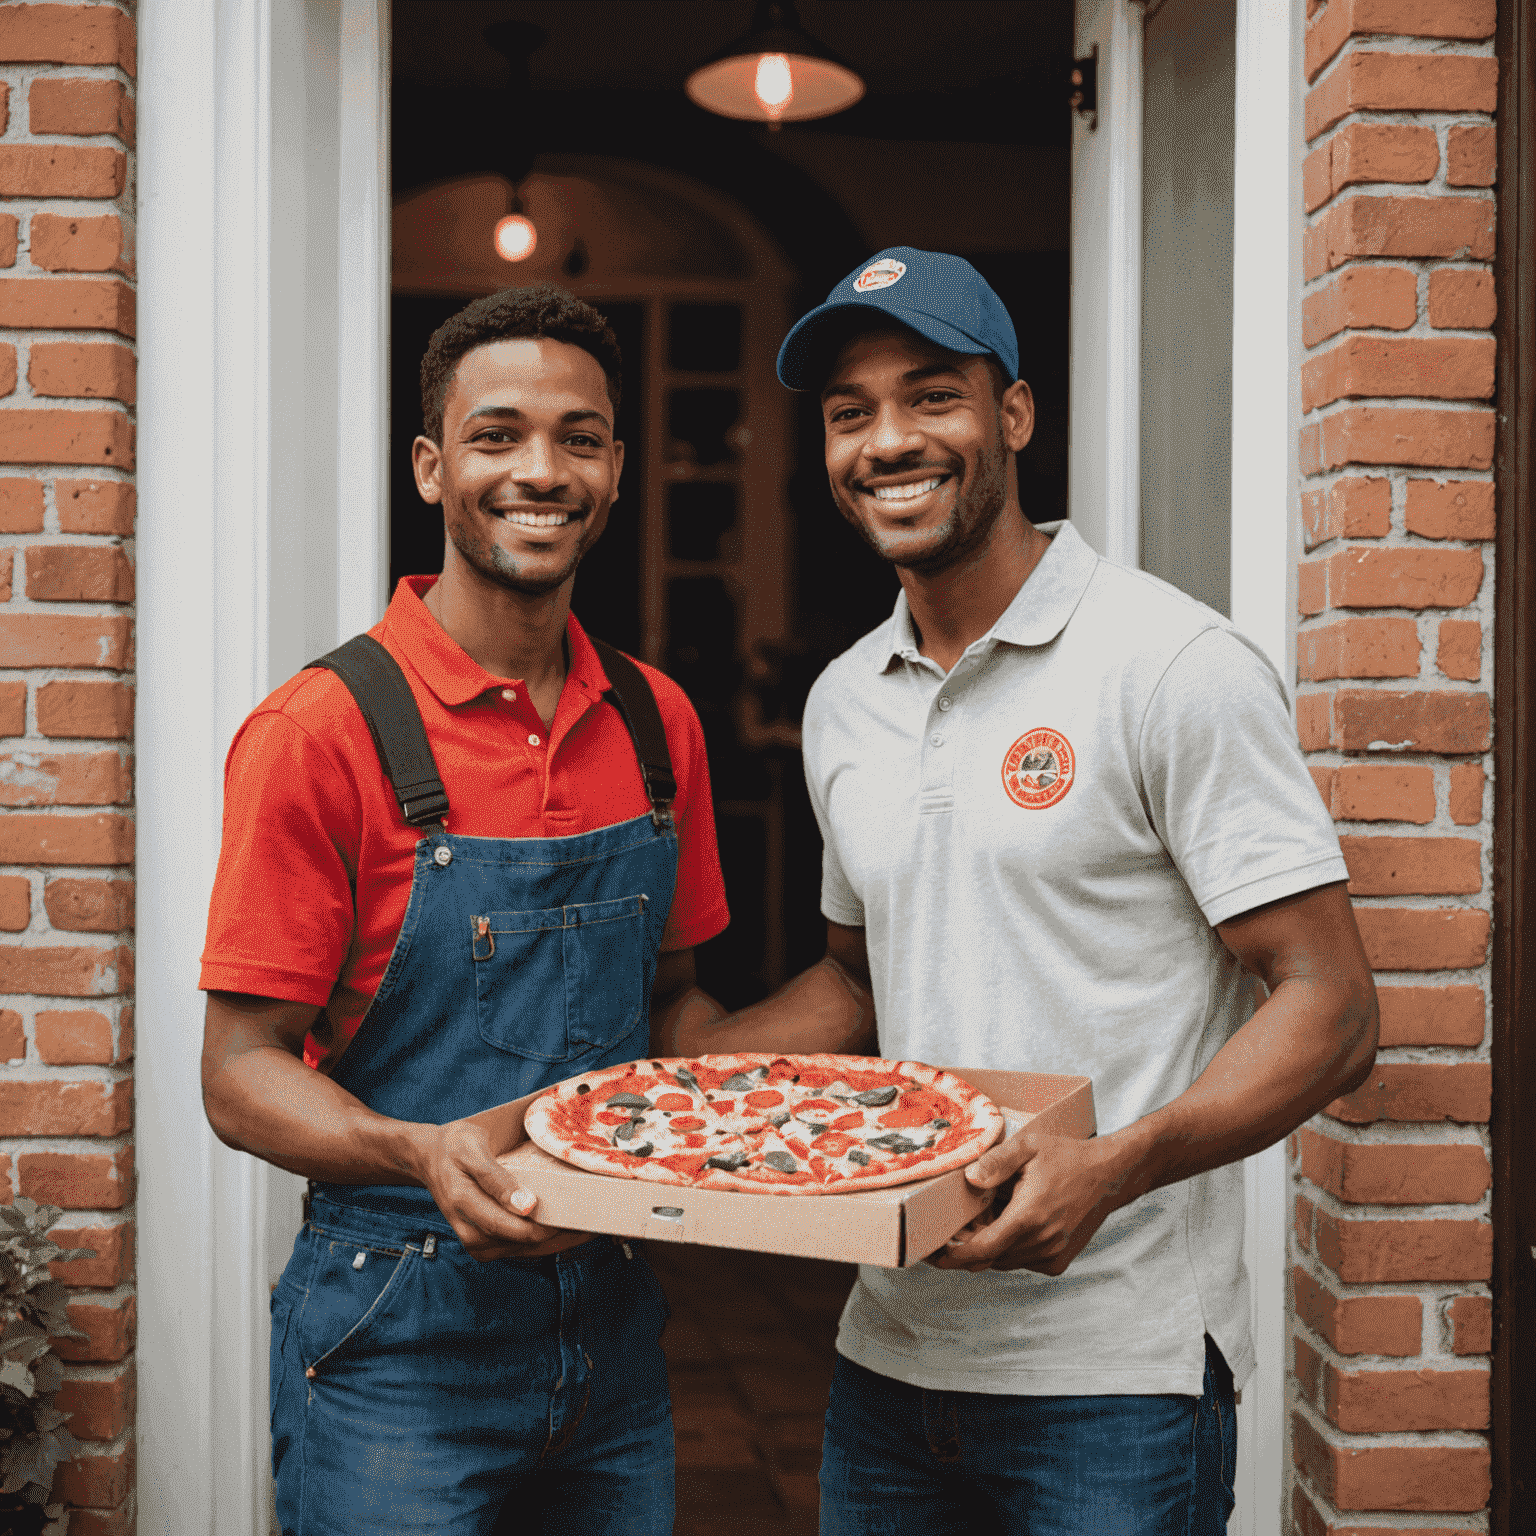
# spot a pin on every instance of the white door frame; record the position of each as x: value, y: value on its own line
x: 261, y: 544
x: 1104, y: 484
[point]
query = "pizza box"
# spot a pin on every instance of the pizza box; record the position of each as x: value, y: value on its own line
x: 894, y: 1227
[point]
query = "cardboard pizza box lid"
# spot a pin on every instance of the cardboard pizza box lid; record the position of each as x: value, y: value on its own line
x: 891, y: 1227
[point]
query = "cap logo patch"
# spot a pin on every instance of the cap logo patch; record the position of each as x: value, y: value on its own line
x: 1039, y: 768
x: 881, y: 275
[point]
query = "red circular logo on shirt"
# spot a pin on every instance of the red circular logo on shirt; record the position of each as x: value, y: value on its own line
x: 1039, y: 768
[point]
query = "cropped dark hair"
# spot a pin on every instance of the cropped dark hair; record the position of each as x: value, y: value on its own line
x: 540, y: 311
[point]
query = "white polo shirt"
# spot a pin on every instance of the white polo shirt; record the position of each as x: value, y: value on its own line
x: 1038, y: 847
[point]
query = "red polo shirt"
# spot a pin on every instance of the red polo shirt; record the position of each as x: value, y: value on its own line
x: 315, y: 866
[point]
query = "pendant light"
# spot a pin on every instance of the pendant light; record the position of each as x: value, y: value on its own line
x: 515, y: 237
x: 777, y: 73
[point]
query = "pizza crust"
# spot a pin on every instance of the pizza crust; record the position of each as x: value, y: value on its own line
x: 556, y: 1123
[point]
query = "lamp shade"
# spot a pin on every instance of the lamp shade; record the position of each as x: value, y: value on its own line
x: 777, y: 73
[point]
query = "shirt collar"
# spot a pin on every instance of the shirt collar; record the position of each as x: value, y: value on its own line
x: 1039, y: 610
x: 449, y: 670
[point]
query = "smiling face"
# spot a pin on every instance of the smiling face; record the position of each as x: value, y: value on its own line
x: 919, y: 446
x: 528, y: 466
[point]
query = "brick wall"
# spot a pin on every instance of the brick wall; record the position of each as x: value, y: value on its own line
x: 66, y: 692
x: 1392, y: 1247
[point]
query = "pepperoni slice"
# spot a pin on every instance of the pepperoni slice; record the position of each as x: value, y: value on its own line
x: 849, y: 1122
x: 765, y: 1098
x: 798, y: 1147
x: 900, y: 1118
x: 687, y: 1123
x: 674, y: 1101
x: 694, y: 1141
x: 818, y: 1106
x: 611, y: 1117
x: 724, y: 1106
x: 834, y: 1143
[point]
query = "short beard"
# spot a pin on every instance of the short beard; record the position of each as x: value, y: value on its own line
x: 488, y: 559
x: 962, y: 535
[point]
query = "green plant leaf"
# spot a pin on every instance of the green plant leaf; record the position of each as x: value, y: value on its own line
x: 14, y: 1374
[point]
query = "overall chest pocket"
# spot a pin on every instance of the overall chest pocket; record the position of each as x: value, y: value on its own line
x: 559, y: 983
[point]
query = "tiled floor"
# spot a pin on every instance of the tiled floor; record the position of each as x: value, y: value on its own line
x: 750, y: 1352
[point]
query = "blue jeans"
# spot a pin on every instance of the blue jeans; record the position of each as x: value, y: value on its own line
x: 901, y: 1461
x: 417, y: 1389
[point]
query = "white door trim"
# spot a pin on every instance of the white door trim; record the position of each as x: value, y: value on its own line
x: 239, y: 477
x: 1265, y: 416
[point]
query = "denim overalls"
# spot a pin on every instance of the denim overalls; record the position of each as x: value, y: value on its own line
x: 418, y: 1389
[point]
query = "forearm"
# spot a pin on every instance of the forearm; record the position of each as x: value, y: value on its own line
x: 822, y: 1009
x: 1277, y: 1071
x: 265, y: 1101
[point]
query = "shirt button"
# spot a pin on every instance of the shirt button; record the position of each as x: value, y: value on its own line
x: 937, y: 739
x: 509, y: 694
x: 945, y: 704
x: 442, y: 857
x: 533, y: 741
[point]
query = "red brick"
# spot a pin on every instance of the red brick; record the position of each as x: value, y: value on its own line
x: 82, y: 105
x: 1343, y: 19
x: 111, y: 1326
x: 120, y: 1522
x: 68, y: 34
x: 7, y: 369
x: 1310, y: 1521
x: 1387, y: 434
x: 89, y: 906
x: 1430, y: 721
x: 1372, y: 152
x: 62, y: 970
x: 15, y: 902
x: 77, y: 1181
x: 1442, y: 368
x: 1314, y: 721
x: 1303, y: 1223
x: 96, y: 1482
x: 13, y: 709
x: 125, y: 1032
x: 1421, y: 1092
x: 1466, y: 799
x: 1470, y: 1319
x: 1367, y: 226
x: 100, y: 711
x: 101, y: 1409
x: 9, y: 229
x: 1359, y: 648
x: 13, y: 1037
x: 1471, y: 155
x: 1353, y: 507
x: 1402, y: 82
x: 67, y: 437
x: 74, y: 778
x: 1431, y: 1015
x: 1367, y: 1402
x: 1392, y: 1477
x: 1460, y: 652
x: 65, y: 640
x: 95, y: 506
x: 1359, y: 1325
x: 1309, y: 1369
x: 62, y: 170
x: 1450, y: 509
x: 21, y: 506
x: 1394, y: 1174
x: 1433, y: 939
x: 110, y: 1265
x: 1388, y: 792
x: 7, y: 569
x: 50, y: 838
x: 1461, y: 299
x: 1323, y: 778
x: 1381, y: 578
x: 102, y: 573
x: 77, y: 243
x: 92, y: 370
x: 1413, y: 866
x: 66, y: 303
x: 65, y: 1109
x: 1394, y: 1252
x: 76, y: 1037
x: 1311, y: 587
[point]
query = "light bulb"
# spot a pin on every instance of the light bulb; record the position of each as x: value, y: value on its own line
x: 773, y: 86
x: 515, y: 238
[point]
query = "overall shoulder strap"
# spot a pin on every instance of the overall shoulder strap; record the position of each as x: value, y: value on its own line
x: 631, y: 695
x: 374, y: 679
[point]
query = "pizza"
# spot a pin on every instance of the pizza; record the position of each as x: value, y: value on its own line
x: 765, y: 1123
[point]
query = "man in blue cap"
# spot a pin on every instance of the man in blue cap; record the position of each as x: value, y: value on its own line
x: 1066, y: 823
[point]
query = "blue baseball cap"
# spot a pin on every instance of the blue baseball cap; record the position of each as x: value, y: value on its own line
x: 943, y: 298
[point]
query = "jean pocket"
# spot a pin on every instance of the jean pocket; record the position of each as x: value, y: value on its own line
x: 352, y: 1288
x: 563, y: 981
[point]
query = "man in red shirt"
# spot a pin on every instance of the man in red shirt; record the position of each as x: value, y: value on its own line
x: 385, y: 960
